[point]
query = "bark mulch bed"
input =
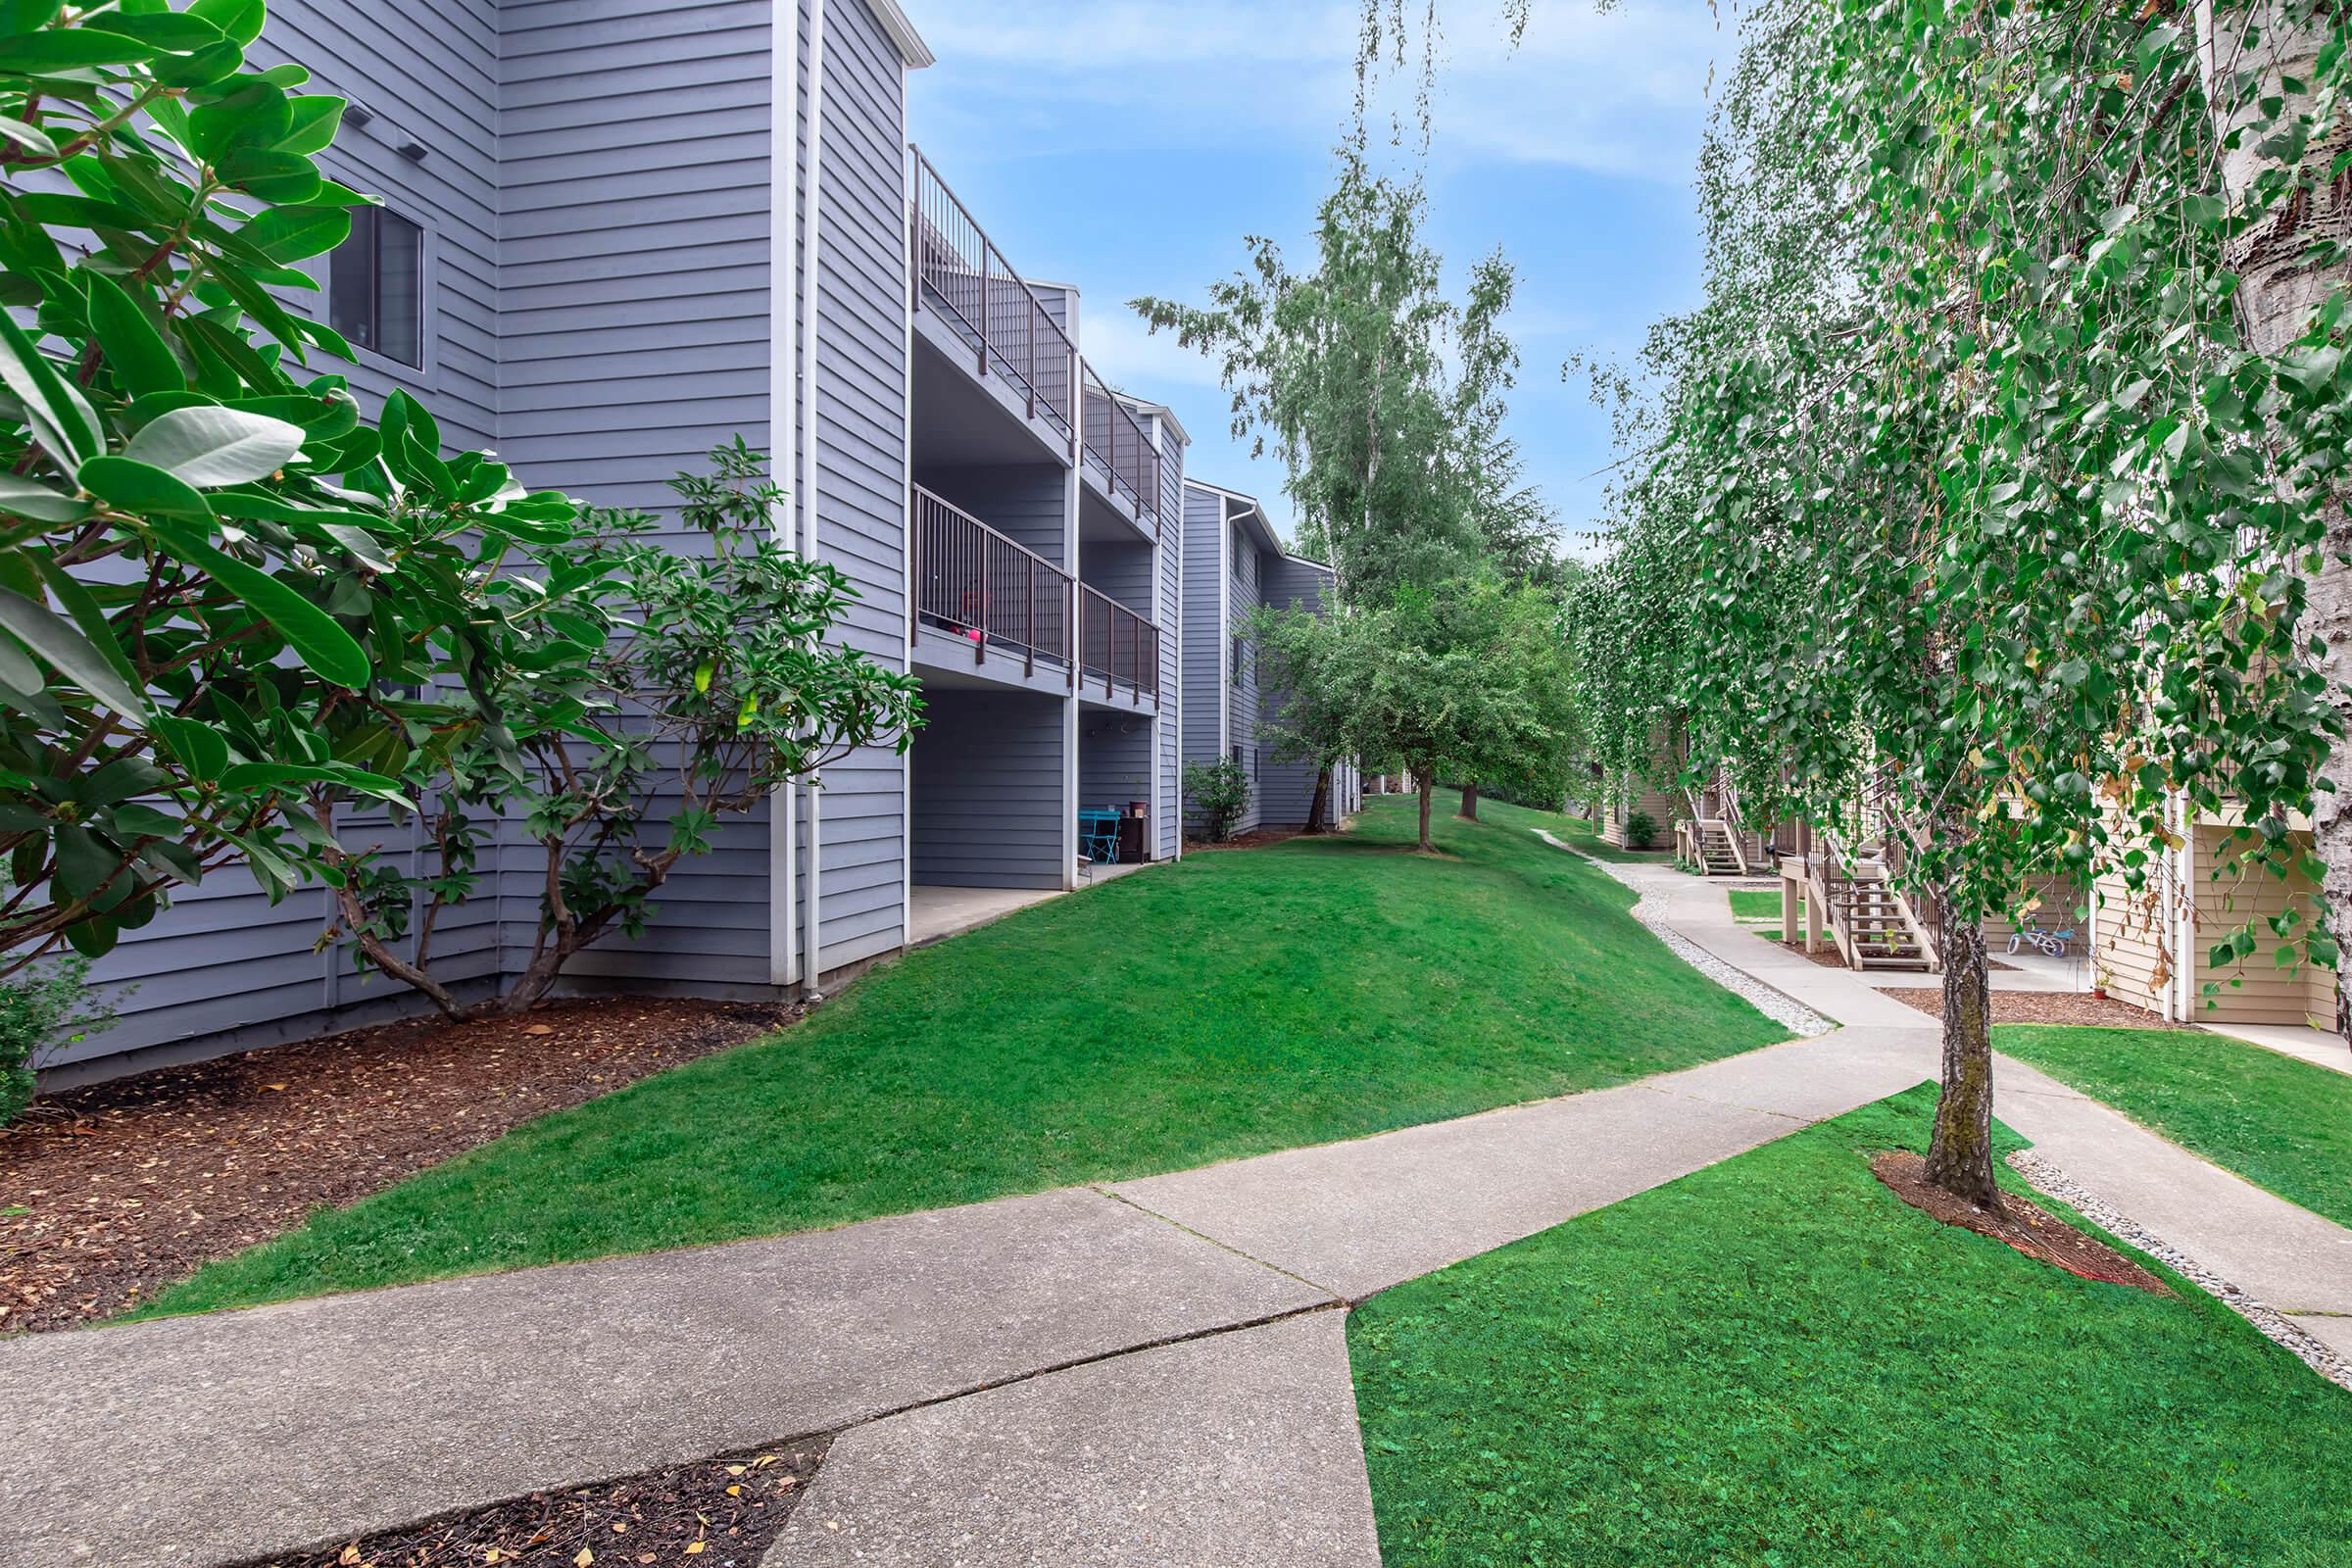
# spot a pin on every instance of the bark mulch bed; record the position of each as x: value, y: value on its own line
x: 2019, y: 1223
x: 2044, y: 1007
x: 1255, y: 839
x: 109, y: 1191
x: 714, y: 1513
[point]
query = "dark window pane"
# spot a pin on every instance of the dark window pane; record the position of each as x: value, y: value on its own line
x: 375, y: 286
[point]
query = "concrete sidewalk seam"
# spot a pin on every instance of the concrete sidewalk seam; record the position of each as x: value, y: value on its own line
x: 1338, y: 1297
x: 1802, y: 1122
x: 1335, y: 1304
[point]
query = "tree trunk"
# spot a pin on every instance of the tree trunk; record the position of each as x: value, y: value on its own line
x: 1318, y: 809
x: 2276, y: 293
x: 1960, y: 1153
x: 1421, y: 777
x: 1469, y: 812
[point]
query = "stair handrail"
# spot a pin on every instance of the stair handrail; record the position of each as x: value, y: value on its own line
x: 1819, y: 878
x: 1902, y: 834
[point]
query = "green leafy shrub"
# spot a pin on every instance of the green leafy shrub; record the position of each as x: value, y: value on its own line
x: 215, y: 572
x: 708, y: 684
x: 36, y: 1009
x: 1220, y: 791
x: 1641, y: 830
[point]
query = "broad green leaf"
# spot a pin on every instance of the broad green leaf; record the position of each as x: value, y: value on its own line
x: 94, y: 937
x: 37, y: 501
x: 201, y: 749
x: 140, y: 488
x: 255, y: 775
x: 200, y: 68
x: 28, y: 138
x: 24, y: 16
x: 83, y: 608
x: 63, y: 421
x: 317, y: 117
x: 327, y: 648
x: 143, y: 363
x: 291, y: 233
x: 38, y: 54
x: 241, y: 20
x: 211, y: 447
x: 165, y: 29
x: 271, y: 175
x: 70, y: 653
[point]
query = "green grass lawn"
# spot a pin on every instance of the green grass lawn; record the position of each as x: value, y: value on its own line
x: 1774, y: 1361
x: 1755, y: 904
x: 1237, y: 1003
x: 2280, y: 1124
x: 1581, y: 832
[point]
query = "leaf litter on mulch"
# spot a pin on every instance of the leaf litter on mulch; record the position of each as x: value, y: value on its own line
x: 2019, y: 1223
x: 712, y: 1514
x: 110, y: 1190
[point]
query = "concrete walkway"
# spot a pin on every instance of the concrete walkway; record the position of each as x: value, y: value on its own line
x: 241, y: 1434
x: 1151, y: 1373
x: 2284, y: 1256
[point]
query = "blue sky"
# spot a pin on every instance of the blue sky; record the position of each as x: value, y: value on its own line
x: 1126, y: 148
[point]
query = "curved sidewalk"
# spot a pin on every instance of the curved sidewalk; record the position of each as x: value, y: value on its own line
x: 236, y: 1435
x: 1151, y: 1372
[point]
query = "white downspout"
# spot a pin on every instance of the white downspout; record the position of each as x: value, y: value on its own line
x: 812, y: 924
x: 906, y: 530
x: 784, y: 310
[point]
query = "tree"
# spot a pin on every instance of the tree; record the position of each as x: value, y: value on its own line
x: 712, y: 685
x: 213, y: 568
x: 1344, y: 369
x: 1454, y: 679
x: 2272, y: 74
x: 1980, y: 513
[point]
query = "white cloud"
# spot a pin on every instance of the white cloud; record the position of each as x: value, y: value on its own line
x: 1621, y: 93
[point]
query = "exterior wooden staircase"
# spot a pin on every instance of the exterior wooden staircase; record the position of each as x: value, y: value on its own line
x: 1713, y: 839
x: 1879, y: 930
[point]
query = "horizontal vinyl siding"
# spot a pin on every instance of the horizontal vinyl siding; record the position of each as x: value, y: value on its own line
x: 862, y: 460
x: 2256, y: 990
x: 1249, y: 567
x: 1202, y: 654
x: 1028, y: 502
x: 988, y: 791
x: 2131, y: 959
x: 1121, y: 570
x: 609, y: 407
x: 1169, y: 613
x: 222, y: 964
x: 1114, y: 758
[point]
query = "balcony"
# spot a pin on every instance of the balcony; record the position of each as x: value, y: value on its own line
x: 965, y: 285
x: 973, y: 585
x: 1118, y: 452
x: 1117, y: 647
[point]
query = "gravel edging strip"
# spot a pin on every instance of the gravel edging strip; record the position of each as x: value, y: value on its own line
x: 1777, y: 1006
x: 2269, y: 1321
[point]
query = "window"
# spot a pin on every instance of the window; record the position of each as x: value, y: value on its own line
x: 1241, y: 662
x: 375, y: 285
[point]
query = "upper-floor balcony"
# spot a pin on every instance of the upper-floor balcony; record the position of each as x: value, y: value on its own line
x: 987, y: 604
x: 1119, y: 459
x: 973, y: 309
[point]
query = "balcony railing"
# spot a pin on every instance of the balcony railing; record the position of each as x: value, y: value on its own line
x: 973, y: 582
x: 960, y: 274
x: 1116, y: 646
x: 1118, y: 445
